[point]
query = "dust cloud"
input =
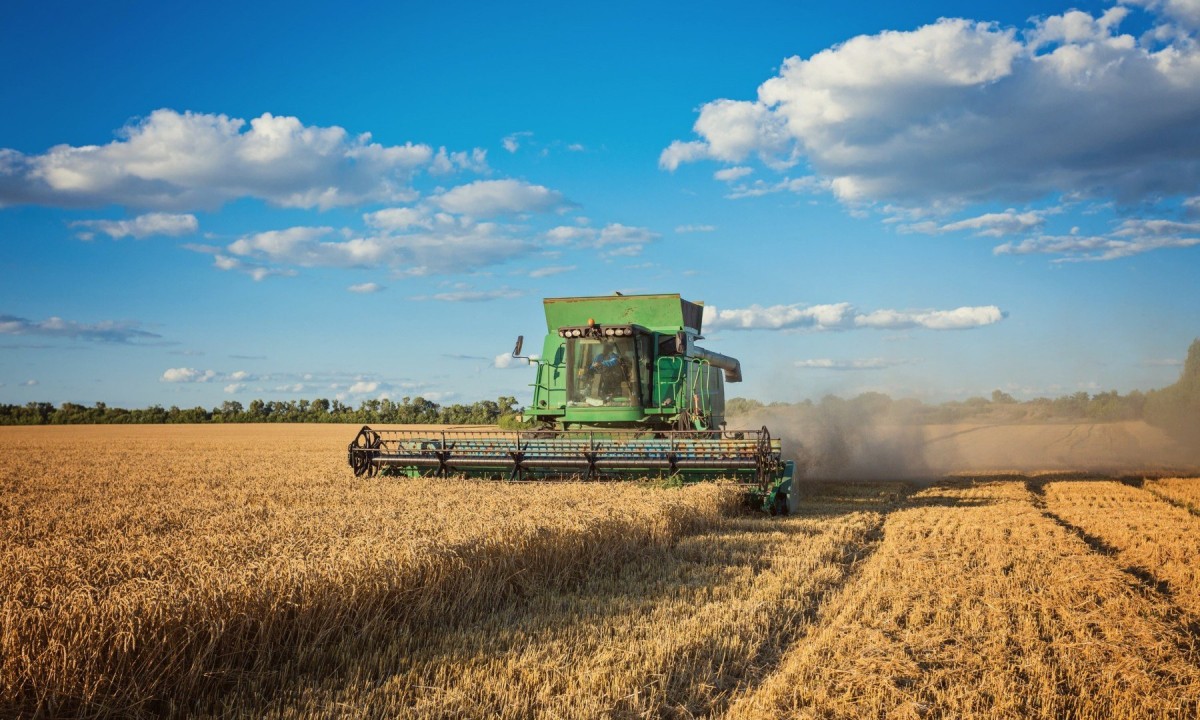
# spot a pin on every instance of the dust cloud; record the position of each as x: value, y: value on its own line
x: 839, y: 439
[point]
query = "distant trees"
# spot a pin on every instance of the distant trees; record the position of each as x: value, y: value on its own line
x: 381, y: 411
x: 1176, y: 408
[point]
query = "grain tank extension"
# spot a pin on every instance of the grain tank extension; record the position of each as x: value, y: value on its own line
x: 622, y: 391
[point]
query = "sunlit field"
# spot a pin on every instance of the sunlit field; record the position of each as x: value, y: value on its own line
x: 243, y: 571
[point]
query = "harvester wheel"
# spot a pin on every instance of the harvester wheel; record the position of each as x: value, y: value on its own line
x: 780, y: 506
x: 361, y: 452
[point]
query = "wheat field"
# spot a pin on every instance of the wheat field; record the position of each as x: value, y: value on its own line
x: 242, y: 571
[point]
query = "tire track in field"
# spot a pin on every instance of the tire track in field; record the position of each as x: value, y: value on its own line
x: 1142, y: 578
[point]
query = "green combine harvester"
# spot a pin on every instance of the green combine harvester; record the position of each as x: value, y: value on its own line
x: 622, y: 392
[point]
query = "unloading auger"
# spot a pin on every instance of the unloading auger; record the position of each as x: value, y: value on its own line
x: 622, y: 392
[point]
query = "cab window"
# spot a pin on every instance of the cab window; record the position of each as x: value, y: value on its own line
x: 603, y: 373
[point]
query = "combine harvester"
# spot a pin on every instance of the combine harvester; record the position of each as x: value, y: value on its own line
x: 622, y: 392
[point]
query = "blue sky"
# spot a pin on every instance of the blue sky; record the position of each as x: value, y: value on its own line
x: 232, y: 201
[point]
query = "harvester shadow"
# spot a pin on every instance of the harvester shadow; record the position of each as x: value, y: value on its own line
x: 404, y: 667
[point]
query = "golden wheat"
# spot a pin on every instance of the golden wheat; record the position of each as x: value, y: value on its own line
x: 1184, y: 492
x: 241, y: 571
x: 977, y: 605
x: 147, y: 567
x: 1143, y: 532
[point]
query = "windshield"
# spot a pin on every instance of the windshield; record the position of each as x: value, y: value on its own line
x: 603, y: 372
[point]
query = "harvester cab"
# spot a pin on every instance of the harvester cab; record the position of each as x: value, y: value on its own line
x: 621, y: 391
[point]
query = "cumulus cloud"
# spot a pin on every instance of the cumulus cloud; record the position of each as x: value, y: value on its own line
x: 758, y: 188
x: 232, y: 388
x: 365, y: 288
x: 512, y: 142
x: 140, y: 227
x: 107, y: 331
x: 972, y: 111
x: 732, y: 173
x: 844, y: 316
x: 485, y: 198
x: 695, y: 228
x: 1009, y: 222
x: 451, y: 244
x: 363, y: 387
x: 780, y: 317
x: 957, y: 319
x: 466, y: 295
x: 613, y: 239
x: 174, y: 160
x: 1132, y: 237
x: 550, y: 270
x: 398, y: 219
x: 187, y: 375
x: 506, y: 361
x: 857, y: 364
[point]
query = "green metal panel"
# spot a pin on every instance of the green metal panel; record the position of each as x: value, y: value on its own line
x: 661, y: 313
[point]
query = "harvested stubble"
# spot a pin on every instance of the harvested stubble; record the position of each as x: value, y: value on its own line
x: 1184, y: 492
x: 1151, y: 537
x: 149, y: 569
x: 677, y: 632
x: 979, y: 605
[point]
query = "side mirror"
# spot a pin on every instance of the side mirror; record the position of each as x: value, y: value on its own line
x: 681, y: 343
x: 517, y: 349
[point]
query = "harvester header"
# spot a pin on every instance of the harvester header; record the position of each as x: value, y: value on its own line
x: 621, y: 390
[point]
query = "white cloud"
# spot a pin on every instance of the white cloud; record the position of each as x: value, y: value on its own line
x: 398, y: 219
x: 505, y: 361
x: 695, y: 228
x: 1132, y: 237
x: 484, y: 198
x: 30, y: 383
x: 452, y: 245
x: 365, y: 288
x: 106, y: 331
x: 512, y: 142
x: 232, y: 388
x: 779, y: 317
x: 173, y: 160
x: 969, y: 111
x: 843, y: 316
x: 550, y: 270
x: 472, y: 295
x: 732, y: 173
x: 857, y: 364
x: 362, y: 387
x: 1009, y: 222
x: 240, y: 375
x: 613, y: 239
x: 957, y: 319
x: 141, y: 226
x: 1186, y: 12
x: 187, y: 375
x: 805, y: 184
x: 444, y: 162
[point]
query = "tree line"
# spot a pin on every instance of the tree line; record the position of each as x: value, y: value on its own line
x: 501, y: 411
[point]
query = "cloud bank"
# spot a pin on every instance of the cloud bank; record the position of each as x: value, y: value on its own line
x: 179, y: 161
x: 964, y: 111
x: 844, y: 316
x: 109, y: 331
